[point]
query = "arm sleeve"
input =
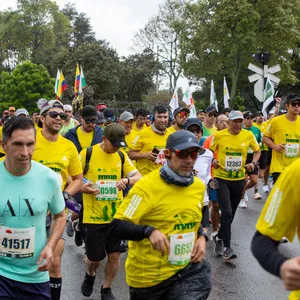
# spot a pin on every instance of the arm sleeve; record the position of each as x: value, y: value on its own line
x: 265, y: 251
x: 129, y: 231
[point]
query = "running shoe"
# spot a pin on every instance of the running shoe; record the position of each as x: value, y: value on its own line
x: 106, y: 294
x: 229, y: 254
x: 246, y: 197
x: 256, y: 196
x: 70, y: 228
x: 242, y: 204
x: 266, y: 188
x: 218, y: 245
x: 78, y: 234
x: 284, y: 240
x: 88, y: 285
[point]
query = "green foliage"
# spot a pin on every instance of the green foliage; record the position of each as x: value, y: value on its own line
x: 25, y: 85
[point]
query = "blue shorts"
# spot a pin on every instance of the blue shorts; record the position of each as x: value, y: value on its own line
x: 15, y: 290
x: 212, y: 194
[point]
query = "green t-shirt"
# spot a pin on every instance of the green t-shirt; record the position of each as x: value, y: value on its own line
x: 257, y: 135
x: 206, y: 133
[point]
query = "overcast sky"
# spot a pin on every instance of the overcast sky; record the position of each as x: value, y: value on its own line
x: 116, y: 21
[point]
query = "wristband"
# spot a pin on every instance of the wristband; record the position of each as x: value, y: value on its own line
x: 201, y: 232
x: 128, y: 181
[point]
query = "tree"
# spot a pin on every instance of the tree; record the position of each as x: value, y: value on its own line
x: 26, y: 85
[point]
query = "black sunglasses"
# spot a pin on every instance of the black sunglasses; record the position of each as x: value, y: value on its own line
x: 55, y: 114
x: 295, y: 104
x: 183, y: 154
x: 89, y: 121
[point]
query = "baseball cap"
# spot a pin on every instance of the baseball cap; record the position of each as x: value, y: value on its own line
x: 259, y: 113
x: 248, y: 114
x: 181, y: 140
x: 100, y: 118
x: 192, y: 121
x: 126, y: 116
x: 179, y: 109
x: 116, y: 135
x: 199, y: 111
x: 292, y: 97
x: 210, y: 109
x: 50, y: 104
x: 68, y: 107
x: 12, y: 108
x: 88, y: 111
x: 6, y: 111
x: 235, y: 114
x: 22, y: 111
x: 109, y: 114
x: 101, y: 106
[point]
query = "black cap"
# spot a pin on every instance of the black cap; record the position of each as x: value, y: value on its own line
x: 181, y: 140
x: 88, y: 111
x: 248, y: 114
x: 259, y: 113
x: 109, y: 114
x: 292, y: 97
x: 179, y: 109
x: 192, y: 121
x: 116, y: 135
x: 210, y: 109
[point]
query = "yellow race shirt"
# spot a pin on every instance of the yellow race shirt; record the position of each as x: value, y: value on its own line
x: 175, y: 211
x: 262, y: 127
x: 60, y: 156
x: 172, y: 129
x: 1, y: 150
x: 136, y: 129
x: 146, y: 141
x: 85, y: 138
x: 232, y: 153
x: 283, y: 131
x: 280, y: 215
x: 104, y: 171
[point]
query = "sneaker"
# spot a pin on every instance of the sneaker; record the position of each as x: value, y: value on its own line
x: 218, y: 245
x: 284, y: 240
x: 256, y: 196
x: 246, y: 197
x: 229, y: 254
x: 87, y: 285
x: 70, y: 228
x: 266, y: 188
x: 242, y: 204
x: 78, y: 234
x: 106, y: 294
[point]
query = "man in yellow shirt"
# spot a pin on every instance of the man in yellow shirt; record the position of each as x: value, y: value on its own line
x: 109, y: 173
x: 60, y: 155
x: 140, y: 120
x: 231, y: 146
x: 283, y: 136
x: 161, y: 217
x: 148, y: 146
x: 126, y: 120
x: 180, y: 116
x: 280, y: 218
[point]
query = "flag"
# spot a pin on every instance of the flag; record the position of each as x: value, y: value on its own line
x: 213, y: 97
x: 189, y: 101
x: 56, y: 82
x: 226, y: 94
x: 77, y: 79
x: 82, y: 83
x: 174, y: 101
x: 268, y: 96
x: 62, y: 85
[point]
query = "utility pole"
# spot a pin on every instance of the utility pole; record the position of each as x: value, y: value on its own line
x: 157, y: 49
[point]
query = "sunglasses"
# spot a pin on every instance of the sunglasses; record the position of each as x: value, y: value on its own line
x: 55, y: 114
x: 90, y: 121
x: 213, y: 115
x: 183, y: 114
x: 295, y: 104
x: 183, y: 154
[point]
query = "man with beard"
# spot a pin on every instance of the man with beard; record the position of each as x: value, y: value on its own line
x: 180, y: 116
x: 148, y: 146
x: 69, y: 122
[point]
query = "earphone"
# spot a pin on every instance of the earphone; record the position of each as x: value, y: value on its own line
x: 152, y: 117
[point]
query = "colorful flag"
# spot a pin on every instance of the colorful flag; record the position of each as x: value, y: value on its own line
x: 189, y: 101
x: 82, y: 83
x: 77, y: 80
x: 213, y: 97
x: 174, y: 101
x: 62, y: 85
x: 268, y: 96
x: 226, y: 94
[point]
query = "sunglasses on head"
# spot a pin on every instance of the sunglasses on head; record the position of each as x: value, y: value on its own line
x: 55, y: 114
x: 182, y: 114
x: 90, y: 121
x: 183, y: 154
x: 295, y: 104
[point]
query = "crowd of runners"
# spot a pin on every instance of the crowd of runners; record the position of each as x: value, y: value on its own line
x: 150, y: 183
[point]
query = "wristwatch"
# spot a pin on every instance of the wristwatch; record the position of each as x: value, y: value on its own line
x: 66, y: 195
x: 201, y: 232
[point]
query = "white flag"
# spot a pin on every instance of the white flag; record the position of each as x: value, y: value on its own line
x: 213, y: 97
x: 226, y: 94
x: 189, y: 101
x: 268, y: 96
x: 174, y: 101
x: 57, y: 82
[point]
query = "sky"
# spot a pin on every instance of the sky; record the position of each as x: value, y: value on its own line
x: 116, y: 21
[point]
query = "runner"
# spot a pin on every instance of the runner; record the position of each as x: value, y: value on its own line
x: 201, y: 115
x: 32, y: 189
x: 140, y: 120
x: 208, y: 125
x: 180, y: 116
x: 161, y: 216
x: 109, y: 172
x: 69, y: 122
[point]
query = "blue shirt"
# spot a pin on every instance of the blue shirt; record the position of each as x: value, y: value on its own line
x: 24, y: 202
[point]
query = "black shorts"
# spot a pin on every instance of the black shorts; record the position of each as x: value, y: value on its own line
x: 98, y: 242
x: 269, y: 157
x: 248, y: 161
x: 205, y: 216
x: 263, y: 160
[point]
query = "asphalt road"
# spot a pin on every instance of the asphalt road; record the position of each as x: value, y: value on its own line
x: 243, y: 279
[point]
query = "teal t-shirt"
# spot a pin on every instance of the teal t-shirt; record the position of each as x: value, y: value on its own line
x: 257, y: 135
x: 24, y: 203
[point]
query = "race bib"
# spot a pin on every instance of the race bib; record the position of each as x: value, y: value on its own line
x: 181, y: 246
x: 233, y: 163
x: 108, y: 190
x: 291, y: 150
x: 17, y: 242
x: 160, y: 159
